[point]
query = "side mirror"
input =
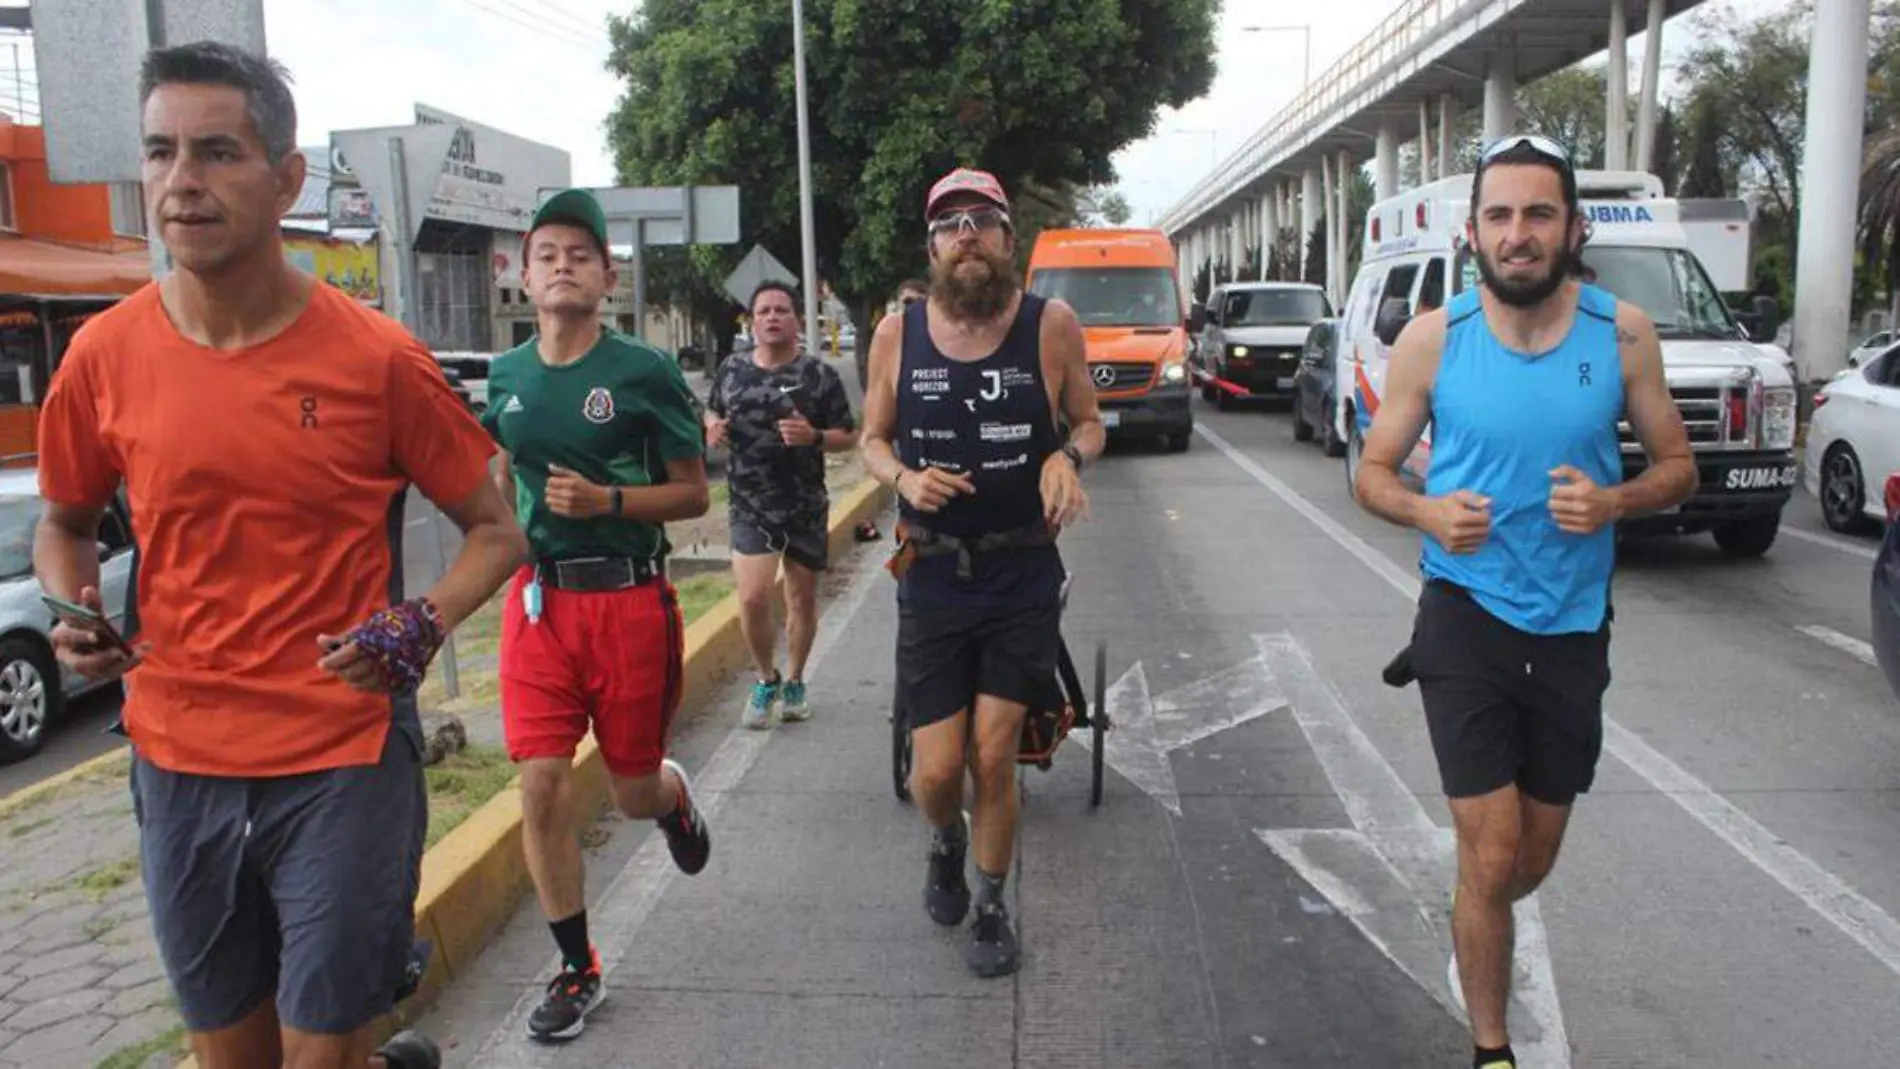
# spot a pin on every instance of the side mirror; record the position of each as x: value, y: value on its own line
x: 1767, y: 316
x: 1391, y: 320
x: 1197, y: 317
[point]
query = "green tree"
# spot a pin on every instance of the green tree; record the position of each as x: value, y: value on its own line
x: 1567, y: 106
x: 1041, y: 91
x: 1751, y: 81
x: 1707, y: 172
x: 1663, y: 154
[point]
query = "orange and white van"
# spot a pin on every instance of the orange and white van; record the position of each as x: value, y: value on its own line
x: 1126, y: 289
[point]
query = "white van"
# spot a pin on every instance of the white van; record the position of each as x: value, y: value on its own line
x: 1254, y: 336
x: 1737, y: 397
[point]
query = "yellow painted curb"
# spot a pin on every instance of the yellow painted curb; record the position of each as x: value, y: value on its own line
x: 105, y: 763
x: 475, y: 876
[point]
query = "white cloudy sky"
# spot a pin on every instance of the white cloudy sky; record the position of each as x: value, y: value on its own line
x: 535, y: 68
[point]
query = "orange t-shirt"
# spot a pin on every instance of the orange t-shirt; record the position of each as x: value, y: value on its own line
x: 266, y: 487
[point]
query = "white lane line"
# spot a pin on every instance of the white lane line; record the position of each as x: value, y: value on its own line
x: 614, y: 920
x: 1853, y: 914
x: 1847, y: 644
x: 1831, y: 542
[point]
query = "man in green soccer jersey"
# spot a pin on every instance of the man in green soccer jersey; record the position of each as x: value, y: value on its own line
x: 601, y: 446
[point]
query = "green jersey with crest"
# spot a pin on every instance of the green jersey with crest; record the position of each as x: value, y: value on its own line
x: 614, y: 417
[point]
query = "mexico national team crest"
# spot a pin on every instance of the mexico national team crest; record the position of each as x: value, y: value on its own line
x: 599, y: 406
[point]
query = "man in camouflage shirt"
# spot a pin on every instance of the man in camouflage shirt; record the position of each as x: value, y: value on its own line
x: 778, y: 410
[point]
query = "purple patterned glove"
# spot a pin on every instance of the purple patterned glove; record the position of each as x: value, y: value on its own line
x: 401, y: 640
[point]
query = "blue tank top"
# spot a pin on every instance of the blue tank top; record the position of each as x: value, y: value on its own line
x: 1501, y: 420
x: 988, y: 419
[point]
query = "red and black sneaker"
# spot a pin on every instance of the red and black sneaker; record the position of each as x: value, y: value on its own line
x: 686, y: 834
x: 572, y: 995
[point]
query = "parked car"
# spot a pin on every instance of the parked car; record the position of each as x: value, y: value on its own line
x: 1855, y: 430
x: 1870, y: 346
x: 1315, y: 388
x: 1886, y: 591
x: 472, y: 370
x: 33, y: 686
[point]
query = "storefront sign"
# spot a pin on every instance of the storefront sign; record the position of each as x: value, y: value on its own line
x: 491, y: 178
x: 350, y: 267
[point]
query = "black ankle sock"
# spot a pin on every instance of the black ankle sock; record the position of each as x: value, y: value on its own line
x: 954, y: 833
x: 1486, y: 1055
x: 989, y: 888
x: 571, y: 936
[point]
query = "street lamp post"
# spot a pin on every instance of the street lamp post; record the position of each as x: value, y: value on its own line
x: 1306, y: 67
x: 809, y: 233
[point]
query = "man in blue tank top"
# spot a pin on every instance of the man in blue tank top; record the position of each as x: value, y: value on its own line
x: 1523, y: 381
x: 967, y: 390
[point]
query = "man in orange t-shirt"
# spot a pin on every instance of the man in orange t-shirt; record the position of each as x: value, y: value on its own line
x: 267, y: 428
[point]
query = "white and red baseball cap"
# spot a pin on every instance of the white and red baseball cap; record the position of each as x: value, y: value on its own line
x: 965, y: 180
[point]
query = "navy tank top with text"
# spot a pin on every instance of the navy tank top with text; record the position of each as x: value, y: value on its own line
x: 990, y: 420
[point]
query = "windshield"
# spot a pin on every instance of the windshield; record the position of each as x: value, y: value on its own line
x: 18, y: 514
x: 1273, y: 308
x: 1113, y: 296
x: 1668, y: 284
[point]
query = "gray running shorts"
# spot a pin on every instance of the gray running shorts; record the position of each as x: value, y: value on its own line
x: 801, y: 543
x: 299, y: 887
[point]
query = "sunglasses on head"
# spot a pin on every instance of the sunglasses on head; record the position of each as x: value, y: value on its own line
x: 1537, y: 143
x: 977, y: 219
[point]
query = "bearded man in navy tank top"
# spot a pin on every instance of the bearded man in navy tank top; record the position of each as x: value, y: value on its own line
x: 1523, y: 381
x: 966, y: 392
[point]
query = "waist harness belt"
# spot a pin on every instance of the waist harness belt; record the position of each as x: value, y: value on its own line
x: 927, y: 543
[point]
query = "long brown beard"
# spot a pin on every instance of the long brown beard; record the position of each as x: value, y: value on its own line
x: 979, y: 297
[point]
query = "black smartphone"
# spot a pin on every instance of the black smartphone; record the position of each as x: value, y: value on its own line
x: 89, y: 619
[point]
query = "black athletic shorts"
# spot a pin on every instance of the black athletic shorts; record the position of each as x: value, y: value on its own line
x: 802, y: 543
x: 948, y: 656
x: 1506, y: 706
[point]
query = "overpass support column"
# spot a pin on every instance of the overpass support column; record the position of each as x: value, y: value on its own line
x: 1447, y: 110
x: 1342, y: 227
x: 1830, y: 180
x: 1652, y: 77
x: 1310, y: 208
x: 1500, y: 93
x: 1424, y: 141
x: 1616, y: 116
x: 1269, y: 226
x: 1385, y: 163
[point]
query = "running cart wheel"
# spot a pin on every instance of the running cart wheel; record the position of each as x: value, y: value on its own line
x: 1098, y: 720
x: 900, y: 752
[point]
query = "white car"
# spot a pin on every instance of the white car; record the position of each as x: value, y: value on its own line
x: 1854, y: 441
x: 33, y: 687
x: 1871, y: 346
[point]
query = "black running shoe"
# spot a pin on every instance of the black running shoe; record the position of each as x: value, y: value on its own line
x: 686, y: 833
x: 946, y: 893
x: 571, y: 997
x: 992, y: 950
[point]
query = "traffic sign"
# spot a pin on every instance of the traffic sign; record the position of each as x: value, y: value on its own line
x: 757, y: 267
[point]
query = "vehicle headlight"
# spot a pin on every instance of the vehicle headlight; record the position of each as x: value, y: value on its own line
x: 1240, y: 350
x: 1172, y: 373
x: 1777, y: 418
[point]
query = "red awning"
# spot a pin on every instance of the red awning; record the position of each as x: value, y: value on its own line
x: 42, y: 268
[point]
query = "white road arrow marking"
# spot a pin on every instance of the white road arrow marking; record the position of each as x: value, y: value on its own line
x: 1392, y: 874
x: 1147, y: 729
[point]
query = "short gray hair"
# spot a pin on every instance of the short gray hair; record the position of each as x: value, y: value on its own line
x: 264, y: 82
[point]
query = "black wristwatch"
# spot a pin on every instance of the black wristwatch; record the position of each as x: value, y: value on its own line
x: 1075, y: 455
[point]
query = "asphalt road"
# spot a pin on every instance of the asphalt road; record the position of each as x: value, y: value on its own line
x: 1266, y: 881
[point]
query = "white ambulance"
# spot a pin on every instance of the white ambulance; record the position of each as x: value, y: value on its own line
x: 1737, y: 396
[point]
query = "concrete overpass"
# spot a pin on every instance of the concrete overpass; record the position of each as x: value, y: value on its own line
x: 1431, y: 59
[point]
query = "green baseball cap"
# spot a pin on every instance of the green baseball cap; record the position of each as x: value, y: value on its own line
x: 576, y: 207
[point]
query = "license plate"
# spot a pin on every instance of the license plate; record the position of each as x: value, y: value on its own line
x: 1111, y: 419
x: 1761, y: 477
x: 1286, y: 383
